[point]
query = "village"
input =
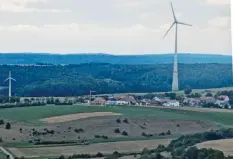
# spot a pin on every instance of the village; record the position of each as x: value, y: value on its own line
x: 205, y: 99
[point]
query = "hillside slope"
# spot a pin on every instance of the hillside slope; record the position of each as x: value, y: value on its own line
x: 73, y: 80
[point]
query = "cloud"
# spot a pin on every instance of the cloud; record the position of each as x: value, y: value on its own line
x: 22, y: 6
x: 220, y: 22
x: 219, y: 2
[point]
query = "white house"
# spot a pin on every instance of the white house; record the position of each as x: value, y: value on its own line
x: 171, y: 103
x: 119, y: 102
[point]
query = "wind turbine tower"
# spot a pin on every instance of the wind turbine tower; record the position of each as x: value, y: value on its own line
x: 175, y: 81
x: 9, y: 79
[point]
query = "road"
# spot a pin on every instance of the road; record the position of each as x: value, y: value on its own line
x: 6, y: 152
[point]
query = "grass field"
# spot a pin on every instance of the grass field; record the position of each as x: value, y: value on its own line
x: 34, y: 114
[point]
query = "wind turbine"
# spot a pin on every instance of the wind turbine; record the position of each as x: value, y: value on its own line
x: 10, y: 78
x: 175, y: 84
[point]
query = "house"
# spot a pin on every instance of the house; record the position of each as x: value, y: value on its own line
x: 127, y: 100
x: 222, y: 103
x: 111, y: 102
x: 144, y: 102
x: 119, y: 102
x: 99, y: 101
x: 208, y: 100
x: 157, y: 99
x: 171, y: 103
x: 191, y: 102
x: 224, y: 98
x: 154, y: 103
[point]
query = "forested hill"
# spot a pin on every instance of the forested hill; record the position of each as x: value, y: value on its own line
x: 73, y: 80
x: 33, y: 58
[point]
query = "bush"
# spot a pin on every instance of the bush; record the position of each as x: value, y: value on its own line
x: 104, y: 137
x: 117, y: 130
x: 209, y: 94
x: 162, y: 134
x: 126, y: 121
x: 187, y: 90
x: 168, y: 132
x: 118, y: 120
x: 8, y: 126
x: 61, y: 157
x: 20, y: 130
x: 97, y: 136
x: 147, y: 135
x: 99, y: 154
x: 79, y: 130
x: 1, y: 122
x: 1, y: 139
x: 124, y: 133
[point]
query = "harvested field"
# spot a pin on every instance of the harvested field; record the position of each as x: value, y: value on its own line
x: 66, y: 118
x: 223, y: 145
x: 106, y: 148
x: 196, y: 109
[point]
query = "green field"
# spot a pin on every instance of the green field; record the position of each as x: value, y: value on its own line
x: 33, y: 114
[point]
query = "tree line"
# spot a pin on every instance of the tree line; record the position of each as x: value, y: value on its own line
x: 74, y: 80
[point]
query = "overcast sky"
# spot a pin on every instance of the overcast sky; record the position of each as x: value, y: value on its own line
x: 113, y: 26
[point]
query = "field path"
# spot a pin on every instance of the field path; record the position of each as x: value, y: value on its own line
x: 6, y: 152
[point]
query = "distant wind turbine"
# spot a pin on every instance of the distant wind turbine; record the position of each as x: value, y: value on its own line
x: 175, y: 86
x: 9, y: 79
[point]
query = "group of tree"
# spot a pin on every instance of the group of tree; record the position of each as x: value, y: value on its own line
x: 75, y: 80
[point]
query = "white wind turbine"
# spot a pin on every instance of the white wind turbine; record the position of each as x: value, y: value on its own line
x: 175, y: 86
x: 9, y: 79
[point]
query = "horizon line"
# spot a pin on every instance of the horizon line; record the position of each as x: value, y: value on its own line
x: 115, y: 54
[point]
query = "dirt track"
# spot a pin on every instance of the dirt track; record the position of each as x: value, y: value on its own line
x: 106, y: 148
x: 223, y: 145
x: 66, y: 118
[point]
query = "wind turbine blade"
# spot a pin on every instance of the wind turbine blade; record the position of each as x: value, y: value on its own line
x: 6, y: 79
x: 168, y: 30
x: 184, y: 23
x: 174, y: 16
x: 13, y: 79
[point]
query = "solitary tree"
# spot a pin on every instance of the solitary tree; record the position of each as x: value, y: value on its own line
x: 8, y: 126
x: 188, y: 90
x: 209, y: 94
x: 1, y: 121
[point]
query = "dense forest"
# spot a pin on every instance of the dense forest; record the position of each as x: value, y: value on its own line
x: 72, y: 80
x: 34, y: 58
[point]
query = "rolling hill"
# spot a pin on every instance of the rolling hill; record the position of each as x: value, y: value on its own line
x: 33, y: 58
